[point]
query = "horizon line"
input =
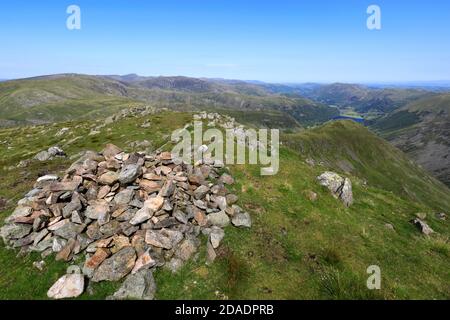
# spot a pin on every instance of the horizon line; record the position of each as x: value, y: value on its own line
x: 368, y: 82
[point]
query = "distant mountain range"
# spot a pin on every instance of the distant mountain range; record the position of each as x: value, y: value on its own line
x: 73, y: 96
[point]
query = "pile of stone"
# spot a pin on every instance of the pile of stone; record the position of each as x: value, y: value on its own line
x: 121, y: 215
x: 217, y: 120
x: 136, y: 111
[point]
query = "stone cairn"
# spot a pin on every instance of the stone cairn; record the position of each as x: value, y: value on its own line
x: 127, y: 214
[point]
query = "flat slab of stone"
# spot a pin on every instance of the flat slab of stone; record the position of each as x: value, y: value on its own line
x: 68, y: 286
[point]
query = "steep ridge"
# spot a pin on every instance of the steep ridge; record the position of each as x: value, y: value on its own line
x: 422, y: 130
x: 351, y: 148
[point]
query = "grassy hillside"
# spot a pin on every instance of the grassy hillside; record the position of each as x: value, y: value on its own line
x: 422, y: 130
x: 58, y: 98
x: 348, y: 147
x: 297, y: 248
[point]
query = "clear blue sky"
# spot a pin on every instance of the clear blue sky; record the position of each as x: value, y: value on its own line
x: 278, y: 41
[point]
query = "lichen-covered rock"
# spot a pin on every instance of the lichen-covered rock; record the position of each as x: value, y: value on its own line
x: 68, y: 286
x: 137, y: 286
x: 117, y: 266
x: 341, y: 188
x: 422, y: 226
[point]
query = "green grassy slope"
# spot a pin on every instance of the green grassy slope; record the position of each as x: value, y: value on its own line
x: 349, y: 147
x: 297, y: 248
x: 59, y: 98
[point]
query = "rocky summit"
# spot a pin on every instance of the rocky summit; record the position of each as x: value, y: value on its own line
x: 115, y: 215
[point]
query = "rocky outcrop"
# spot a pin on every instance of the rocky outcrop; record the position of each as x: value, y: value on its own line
x: 340, y: 187
x: 51, y: 153
x: 422, y: 226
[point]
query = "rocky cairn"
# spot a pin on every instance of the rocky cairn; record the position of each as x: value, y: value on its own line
x: 118, y: 215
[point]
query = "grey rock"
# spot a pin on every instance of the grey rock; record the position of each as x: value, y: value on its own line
x: 187, y: 248
x: 215, y: 237
x: 422, y: 226
x: 58, y: 244
x: 108, y: 178
x: 68, y: 286
x: 221, y: 202
x: 97, y: 210
x: 15, y: 231
x: 19, y: 212
x: 157, y: 239
x: 210, y: 253
x: 219, y: 219
x: 441, y: 216
x: 43, y: 245
x: 42, y: 156
x: 76, y: 217
x: 141, y: 216
x: 117, y: 266
x: 124, y: 197
x: 231, y: 199
x: 110, y: 228
x: 39, y: 236
x: 166, y: 223
x: 68, y: 231
x: 341, y: 188
x: 167, y: 189
x: 39, y: 222
x: 242, y: 219
x: 200, y: 204
x: 346, y: 195
x: 74, y: 205
x: 129, y: 173
x: 175, y: 236
x: 138, y: 286
x: 56, y: 152
x: 201, y: 192
x: 180, y: 216
x: 332, y: 181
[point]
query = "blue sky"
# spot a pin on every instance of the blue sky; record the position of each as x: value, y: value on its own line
x: 276, y: 41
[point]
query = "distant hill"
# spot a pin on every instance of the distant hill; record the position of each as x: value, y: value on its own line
x: 422, y: 130
x: 363, y: 98
x: 72, y: 96
x: 59, y: 97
